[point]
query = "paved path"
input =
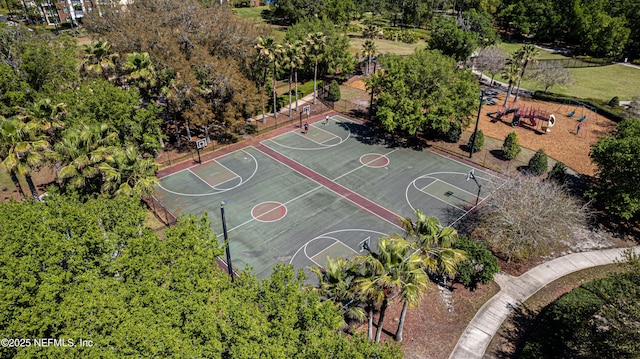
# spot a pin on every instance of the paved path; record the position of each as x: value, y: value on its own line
x: 514, y: 290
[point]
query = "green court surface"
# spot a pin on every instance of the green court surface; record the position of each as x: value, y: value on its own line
x: 275, y: 214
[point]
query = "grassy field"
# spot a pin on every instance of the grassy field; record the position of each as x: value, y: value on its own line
x: 595, y: 82
x: 515, y: 329
x: 601, y: 83
x: 544, y: 54
x: 385, y: 46
x: 5, y: 180
x: 254, y: 13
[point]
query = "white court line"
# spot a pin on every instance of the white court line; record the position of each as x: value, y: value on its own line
x: 303, y: 247
x: 207, y: 161
x: 362, y: 165
x: 332, y: 191
x: 311, y: 139
x: 223, y: 182
x: 309, y: 258
x: 200, y: 178
x: 285, y: 203
x: 242, y: 180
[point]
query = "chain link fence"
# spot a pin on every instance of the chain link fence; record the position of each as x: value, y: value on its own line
x: 160, y: 211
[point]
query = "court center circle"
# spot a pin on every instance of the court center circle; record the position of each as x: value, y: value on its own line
x: 269, y: 211
x: 374, y: 160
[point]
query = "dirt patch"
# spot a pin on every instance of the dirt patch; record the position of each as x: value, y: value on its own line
x: 431, y: 328
x: 562, y: 142
x: 357, y: 84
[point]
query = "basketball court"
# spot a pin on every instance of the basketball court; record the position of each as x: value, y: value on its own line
x: 302, y: 197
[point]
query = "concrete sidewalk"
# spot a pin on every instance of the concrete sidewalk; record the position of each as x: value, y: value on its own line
x: 514, y: 290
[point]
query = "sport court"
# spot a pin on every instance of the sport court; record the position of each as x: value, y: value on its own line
x: 300, y: 197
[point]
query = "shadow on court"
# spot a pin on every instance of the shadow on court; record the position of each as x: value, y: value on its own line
x: 376, y: 136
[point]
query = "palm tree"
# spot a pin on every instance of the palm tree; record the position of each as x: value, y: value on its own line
x: 511, y: 73
x: 369, y: 289
x: 387, y: 269
x: 127, y: 173
x: 527, y: 54
x: 266, y: 47
x: 433, y: 243
x: 48, y: 116
x: 414, y: 284
x: 139, y: 71
x: 315, y: 47
x: 80, y: 152
x: 369, y: 50
x: 22, y: 146
x: 278, y: 54
x: 336, y: 282
x: 293, y: 59
x: 371, y: 32
x: 98, y: 58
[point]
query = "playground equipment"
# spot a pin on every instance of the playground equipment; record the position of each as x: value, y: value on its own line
x: 532, y: 118
x: 502, y: 111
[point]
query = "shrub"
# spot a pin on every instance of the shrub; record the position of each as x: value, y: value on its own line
x: 538, y: 163
x: 480, y: 265
x: 334, y: 91
x: 614, y: 102
x: 558, y: 173
x: 406, y: 36
x: 453, y: 134
x: 477, y: 146
x: 250, y: 128
x: 511, y: 147
x: 525, y: 217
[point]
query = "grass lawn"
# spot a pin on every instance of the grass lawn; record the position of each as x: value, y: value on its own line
x: 385, y: 46
x: 602, y: 83
x: 605, y: 82
x: 514, y: 331
x: 544, y: 54
x: 5, y: 180
x: 250, y: 12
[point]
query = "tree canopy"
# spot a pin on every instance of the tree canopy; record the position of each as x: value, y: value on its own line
x: 411, y: 97
x: 618, y: 174
x: 92, y: 270
x: 195, y: 66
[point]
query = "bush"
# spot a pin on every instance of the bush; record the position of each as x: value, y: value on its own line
x: 406, y: 36
x: 525, y: 217
x: 453, y: 134
x: 511, y: 147
x: 250, y: 128
x: 480, y: 265
x: 538, y: 164
x: 334, y: 91
x: 477, y: 146
x: 614, y: 102
x: 558, y: 173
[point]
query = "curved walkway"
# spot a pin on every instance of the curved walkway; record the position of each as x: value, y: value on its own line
x: 514, y: 290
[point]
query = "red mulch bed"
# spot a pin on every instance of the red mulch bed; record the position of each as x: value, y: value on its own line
x: 431, y: 330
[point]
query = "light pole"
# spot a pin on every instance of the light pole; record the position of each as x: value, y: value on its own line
x: 226, y: 238
x: 475, y: 132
